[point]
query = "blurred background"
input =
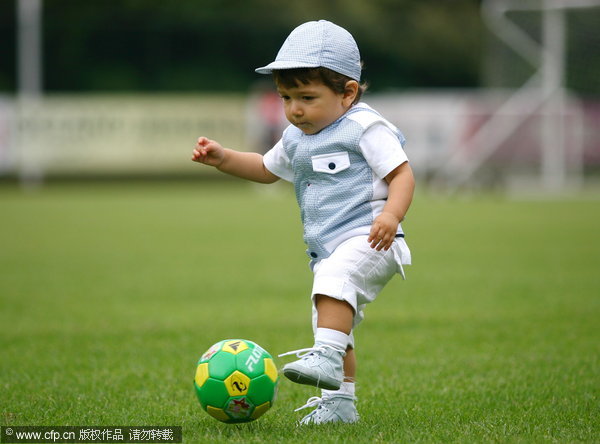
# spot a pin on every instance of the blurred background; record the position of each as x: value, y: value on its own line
x: 491, y: 94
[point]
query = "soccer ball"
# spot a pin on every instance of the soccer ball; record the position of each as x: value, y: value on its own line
x: 236, y: 381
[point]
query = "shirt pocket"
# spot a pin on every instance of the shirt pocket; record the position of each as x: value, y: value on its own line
x: 331, y: 163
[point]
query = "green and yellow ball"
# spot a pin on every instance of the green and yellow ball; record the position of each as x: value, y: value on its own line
x: 236, y: 381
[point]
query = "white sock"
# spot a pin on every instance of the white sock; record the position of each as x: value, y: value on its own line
x: 332, y: 337
x: 347, y: 388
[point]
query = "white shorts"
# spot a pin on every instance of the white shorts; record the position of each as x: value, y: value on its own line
x: 356, y: 273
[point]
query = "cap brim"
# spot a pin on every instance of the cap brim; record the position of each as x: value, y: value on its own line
x: 282, y: 64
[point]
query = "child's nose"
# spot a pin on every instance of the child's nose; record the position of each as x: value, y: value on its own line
x: 297, y: 109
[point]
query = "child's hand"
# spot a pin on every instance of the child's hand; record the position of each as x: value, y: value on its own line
x: 208, y: 152
x: 383, y: 231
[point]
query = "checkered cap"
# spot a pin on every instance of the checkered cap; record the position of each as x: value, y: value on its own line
x: 315, y: 44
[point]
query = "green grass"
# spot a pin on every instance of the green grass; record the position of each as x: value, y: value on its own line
x: 110, y: 293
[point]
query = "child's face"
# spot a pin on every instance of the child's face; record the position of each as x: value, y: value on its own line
x: 314, y: 106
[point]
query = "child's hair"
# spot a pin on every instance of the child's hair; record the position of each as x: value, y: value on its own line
x: 291, y: 78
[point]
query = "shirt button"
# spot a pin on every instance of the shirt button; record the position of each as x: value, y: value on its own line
x: 313, y: 254
x: 331, y: 166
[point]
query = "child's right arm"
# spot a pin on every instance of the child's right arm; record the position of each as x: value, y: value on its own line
x: 248, y: 166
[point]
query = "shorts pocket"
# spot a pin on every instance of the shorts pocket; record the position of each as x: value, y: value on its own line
x: 331, y: 163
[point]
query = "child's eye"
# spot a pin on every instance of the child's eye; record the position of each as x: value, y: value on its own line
x: 307, y: 98
x: 285, y: 97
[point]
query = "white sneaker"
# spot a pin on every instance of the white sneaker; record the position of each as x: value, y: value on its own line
x: 330, y: 408
x: 321, y: 366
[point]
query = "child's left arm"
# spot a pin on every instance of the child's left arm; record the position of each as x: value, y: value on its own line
x: 401, y: 184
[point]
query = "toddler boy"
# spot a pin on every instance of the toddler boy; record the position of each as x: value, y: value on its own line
x: 354, y: 186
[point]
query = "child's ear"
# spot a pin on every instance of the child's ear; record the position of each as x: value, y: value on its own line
x: 350, y: 91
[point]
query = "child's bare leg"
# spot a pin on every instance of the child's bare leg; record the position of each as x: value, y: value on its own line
x: 349, y: 365
x: 334, y: 314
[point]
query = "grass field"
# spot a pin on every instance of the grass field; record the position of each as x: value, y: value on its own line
x: 110, y: 293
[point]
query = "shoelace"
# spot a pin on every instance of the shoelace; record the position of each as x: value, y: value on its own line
x: 320, y: 403
x: 303, y: 352
x: 314, y: 401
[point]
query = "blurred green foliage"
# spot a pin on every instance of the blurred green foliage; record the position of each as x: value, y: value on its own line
x: 214, y: 45
x: 200, y: 45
